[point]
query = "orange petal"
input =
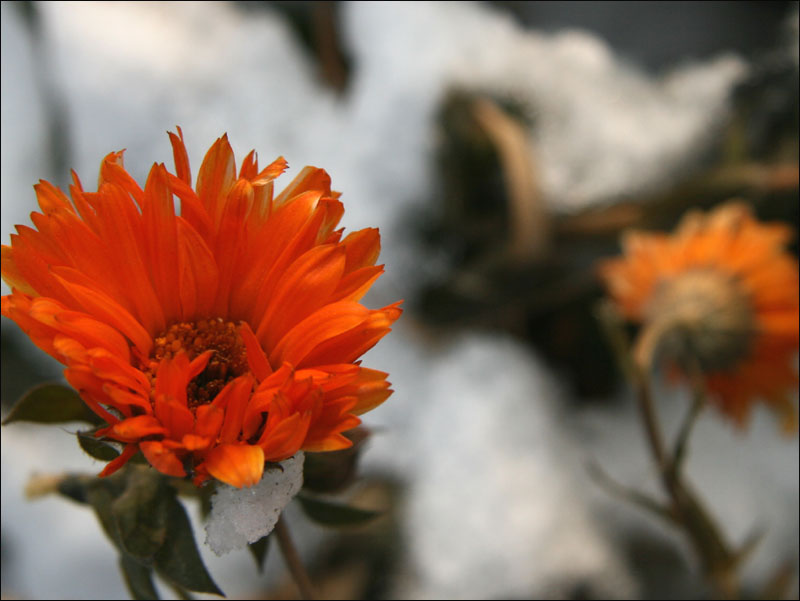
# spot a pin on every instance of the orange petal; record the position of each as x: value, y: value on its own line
x: 208, y: 421
x: 256, y: 359
x: 136, y: 428
x: 237, y: 465
x: 289, y: 231
x: 305, y: 287
x: 249, y: 167
x: 162, y: 458
x: 348, y: 346
x: 363, y: 248
x: 112, y: 170
x: 116, y: 463
x: 193, y: 442
x: 370, y: 388
x: 355, y: 285
x: 230, y: 242
x: 310, y: 178
x: 121, y: 232
x: 335, y: 417
x: 233, y: 399
x: 172, y: 377
x: 286, y: 438
x: 216, y: 177
x: 271, y: 171
x: 329, y: 322
x: 79, y: 326
x: 192, y: 210
x: 11, y: 274
x: 33, y: 262
x: 198, y: 272
x: 176, y: 418
x: 160, y: 232
x: 51, y: 199
x: 125, y: 398
x: 332, y: 442
x: 180, y: 156
x: 103, y: 307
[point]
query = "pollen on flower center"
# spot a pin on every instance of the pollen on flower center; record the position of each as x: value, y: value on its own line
x: 709, y: 315
x: 228, y: 361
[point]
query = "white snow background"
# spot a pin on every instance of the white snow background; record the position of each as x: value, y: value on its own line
x: 499, y: 503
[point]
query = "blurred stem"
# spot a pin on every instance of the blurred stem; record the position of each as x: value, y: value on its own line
x: 629, y: 494
x: 719, y: 563
x: 328, y: 43
x: 698, y: 404
x: 293, y: 560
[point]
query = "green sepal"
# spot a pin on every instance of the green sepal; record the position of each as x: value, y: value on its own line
x: 334, y: 470
x: 95, y: 447
x: 138, y: 578
x: 52, y: 404
x: 259, y: 551
x: 330, y: 513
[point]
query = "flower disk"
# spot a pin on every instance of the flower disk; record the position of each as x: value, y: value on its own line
x: 213, y: 340
x: 722, y: 295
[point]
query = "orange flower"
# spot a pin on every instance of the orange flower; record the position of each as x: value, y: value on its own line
x: 213, y: 340
x: 723, y: 291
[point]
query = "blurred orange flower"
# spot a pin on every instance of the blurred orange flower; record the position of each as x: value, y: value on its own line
x: 722, y: 291
x: 213, y: 340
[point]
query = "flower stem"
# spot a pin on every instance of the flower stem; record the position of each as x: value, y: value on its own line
x: 718, y: 561
x: 293, y: 560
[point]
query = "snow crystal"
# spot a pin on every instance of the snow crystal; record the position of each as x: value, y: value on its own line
x: 243, y: 515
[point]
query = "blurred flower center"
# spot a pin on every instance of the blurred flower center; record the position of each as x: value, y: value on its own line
x: 708, y: 317
x: 228, y: 361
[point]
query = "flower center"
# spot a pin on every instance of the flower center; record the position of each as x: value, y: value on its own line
x: 709, y: 317
x: 228, y: 361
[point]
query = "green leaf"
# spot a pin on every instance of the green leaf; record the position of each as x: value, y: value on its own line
x: 178, y: 559
x: 259, y: 551
x: 100, y: 494
x: 180, y: 593
x: 52, y: 404
x: 329, y: 513
x: 138, y: 578
x: 140, y: 514
x: 96, y: 448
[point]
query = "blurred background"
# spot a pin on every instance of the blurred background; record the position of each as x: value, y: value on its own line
x: 501, y: 147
